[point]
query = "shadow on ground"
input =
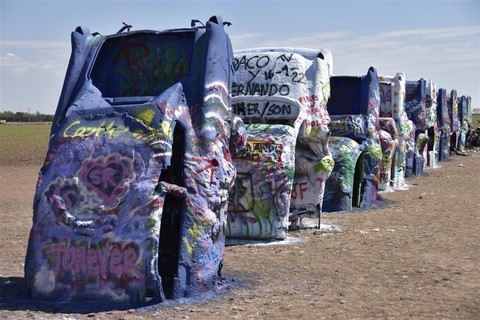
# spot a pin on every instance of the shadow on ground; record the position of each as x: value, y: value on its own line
x: 14, y: 297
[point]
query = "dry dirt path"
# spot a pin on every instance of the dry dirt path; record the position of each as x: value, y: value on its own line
x: 416, y: 257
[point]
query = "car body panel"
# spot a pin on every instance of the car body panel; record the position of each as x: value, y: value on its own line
x: 354, y: 112
x: 444, y: 125
x: 415, y: 106
x: 131, y: 200
x: 278, y: 87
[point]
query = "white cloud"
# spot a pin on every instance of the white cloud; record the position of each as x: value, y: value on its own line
x: 30, y: 59
x: 449, y: 56
x: 435, y: 33
x: 32, y: 45
x: 239, y: 39
x: 32, y: 69
x: 11, y: 65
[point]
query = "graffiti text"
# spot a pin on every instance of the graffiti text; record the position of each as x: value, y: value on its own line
x: 267, y: 109
x: 256, y: 149
x: 108, y: 261
x: 111, y: 130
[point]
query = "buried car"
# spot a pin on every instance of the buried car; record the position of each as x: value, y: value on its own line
x: 392, y: 95
x: 131, y: 200
x: 354, y: 112
x: 281, y: 95
x: 444, y: 125
x: 416, y: 108
x: 465, y: 116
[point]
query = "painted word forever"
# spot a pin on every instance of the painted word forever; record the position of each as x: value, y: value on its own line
x: 108, y: 261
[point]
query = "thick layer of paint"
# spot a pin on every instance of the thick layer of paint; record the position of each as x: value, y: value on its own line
x: 354, y: 109
x: 415, y: 106
x: 281, y: 93
x: 132, y: 198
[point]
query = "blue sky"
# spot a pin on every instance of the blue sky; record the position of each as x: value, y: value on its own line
x: 425, y: 39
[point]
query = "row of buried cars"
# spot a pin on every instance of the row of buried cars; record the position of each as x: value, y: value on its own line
x: 165, y: 143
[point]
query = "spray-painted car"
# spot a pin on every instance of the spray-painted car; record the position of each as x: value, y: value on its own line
x: 452, y: 102
x: 131, y: 200
x: 281, y: 94
x: 433, y: 132
x: 465, y: 118
x: 389, y: 135
x: 444, y: 125
x: 415, y: 106
x: 354, y: 113
x: 392, y: 96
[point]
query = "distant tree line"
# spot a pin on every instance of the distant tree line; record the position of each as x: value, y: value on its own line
x: 10, y: 116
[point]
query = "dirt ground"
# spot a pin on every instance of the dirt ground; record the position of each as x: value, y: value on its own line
x: 416, y: 257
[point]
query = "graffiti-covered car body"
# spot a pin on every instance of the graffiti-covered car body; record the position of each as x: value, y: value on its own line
x: 465, y: 118
x: 354, y: 116
x: 131, y: 200
x: 469, y: 110
x: 281, y: 94
x: 431, y: 150
x: 444, y: 125
x: 392, y: 96
x: 342, y: 188
x: 415, y: 106
x: 452, y: 103
x: 389, y: 134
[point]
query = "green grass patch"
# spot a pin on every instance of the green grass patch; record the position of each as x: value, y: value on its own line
x: 23, y: 143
